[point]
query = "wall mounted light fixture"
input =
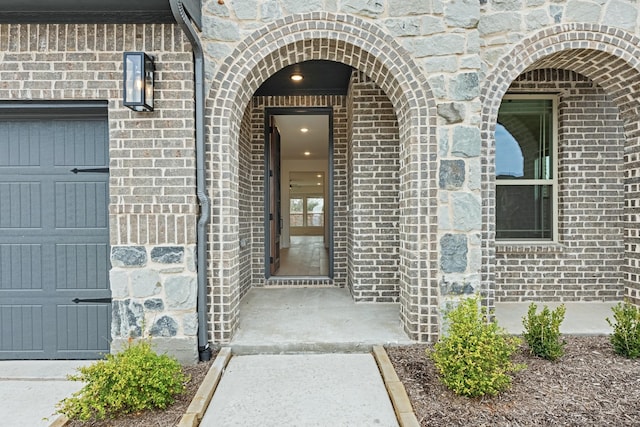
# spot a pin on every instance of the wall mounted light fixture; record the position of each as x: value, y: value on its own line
x: 138, y: 81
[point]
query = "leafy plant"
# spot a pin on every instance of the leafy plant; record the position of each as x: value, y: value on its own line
x: 626, y: 330
x: 133, y: 380
x: 474, y: 359
x: 542, y: 331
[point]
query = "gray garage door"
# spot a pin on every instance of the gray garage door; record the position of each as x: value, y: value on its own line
x: 54, y: 239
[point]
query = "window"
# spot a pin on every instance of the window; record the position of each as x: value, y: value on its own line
x: 526, y: 177
x: 306, y: 211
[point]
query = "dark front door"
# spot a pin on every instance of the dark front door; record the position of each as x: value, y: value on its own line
x: 275, y: 222
x: 54, y: 239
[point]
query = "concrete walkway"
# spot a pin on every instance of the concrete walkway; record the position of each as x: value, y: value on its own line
x: 301, y: 390
x: 29, y: 390
x: 285, y: 389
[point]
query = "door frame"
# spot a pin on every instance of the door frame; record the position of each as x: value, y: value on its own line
x: 300, y: 111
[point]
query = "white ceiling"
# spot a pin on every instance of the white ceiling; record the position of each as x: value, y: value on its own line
x: 294, y: 142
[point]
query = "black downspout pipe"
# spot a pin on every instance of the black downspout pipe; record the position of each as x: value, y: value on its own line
x: 183, y: 20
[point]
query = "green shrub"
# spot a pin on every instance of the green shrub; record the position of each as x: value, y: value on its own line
x: 474, y: 358
x: 133, y: 380
x: 626, y: 330
x: 542, y: 331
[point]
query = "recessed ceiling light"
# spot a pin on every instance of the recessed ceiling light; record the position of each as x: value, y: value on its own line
x: 318, y: 183
x: 319, y: 175
x: 304, y: 130
x: 296, y: 77
x: 307, y: 153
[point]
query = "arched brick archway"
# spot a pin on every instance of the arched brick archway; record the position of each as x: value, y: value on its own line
x: 363, y: 46
x: 609, y: 57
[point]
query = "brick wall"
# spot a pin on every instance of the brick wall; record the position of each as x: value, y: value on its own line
x: 153, y: 205
x: 152, y: 185
x: 587, y: 262
x: 246, y: 193
x: 373, y: 191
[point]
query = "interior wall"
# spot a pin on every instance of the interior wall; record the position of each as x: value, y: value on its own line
x: 287, y: 167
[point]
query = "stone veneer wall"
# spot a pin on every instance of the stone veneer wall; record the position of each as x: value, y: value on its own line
x: 152, y: 210
x: 373, y: 232
x: 586, y: 264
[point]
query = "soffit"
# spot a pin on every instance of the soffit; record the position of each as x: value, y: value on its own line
x: 89, y: 11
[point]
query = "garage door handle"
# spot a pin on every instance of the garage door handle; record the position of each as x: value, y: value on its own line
x: 78, y: 300
x: 94, y: 170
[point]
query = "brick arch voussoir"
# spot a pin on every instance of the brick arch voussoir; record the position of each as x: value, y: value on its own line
x: 291, y: 39
x: 619, y: 50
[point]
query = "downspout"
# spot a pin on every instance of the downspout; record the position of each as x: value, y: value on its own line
x: 183, y: 20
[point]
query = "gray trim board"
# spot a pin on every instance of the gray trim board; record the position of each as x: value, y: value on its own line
x: 94, y: 12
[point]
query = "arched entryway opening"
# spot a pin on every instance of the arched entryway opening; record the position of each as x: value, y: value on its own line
x: 364, y: 47
x: 590, y: 78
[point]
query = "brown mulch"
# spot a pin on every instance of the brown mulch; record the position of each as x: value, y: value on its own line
x: 168, y: 417
x: 589, y: 386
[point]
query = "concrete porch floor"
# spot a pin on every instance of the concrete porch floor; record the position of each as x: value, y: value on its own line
x: 314, y: 319
x: 581, y: 318
x: 322, y: 319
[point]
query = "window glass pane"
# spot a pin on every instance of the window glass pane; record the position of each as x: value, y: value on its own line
x: 524, y: 139
x: 315, y: 212
x: 296, y: 216
x: 524, y: 212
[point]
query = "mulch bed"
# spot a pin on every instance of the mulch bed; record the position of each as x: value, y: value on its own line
x: 166, y: 418
x: 589, y: 386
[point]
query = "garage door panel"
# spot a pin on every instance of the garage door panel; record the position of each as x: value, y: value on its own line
x: 20, y: 207
x: 26, y: 325
x: 83, y: 327
x: 54, y: 237
x: 80, y: 143
x: 21, y: 266
x: 82, y: 266
x: 81, y: 204
x: 20, y: 143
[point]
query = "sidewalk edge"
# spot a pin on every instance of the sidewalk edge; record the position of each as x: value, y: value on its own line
x: 203, y: 396
x: 395, y: 389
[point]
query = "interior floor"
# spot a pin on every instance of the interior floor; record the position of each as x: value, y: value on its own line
x: 306, y: 256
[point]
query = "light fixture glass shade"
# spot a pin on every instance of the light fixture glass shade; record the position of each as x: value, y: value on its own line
x: 138, y: 81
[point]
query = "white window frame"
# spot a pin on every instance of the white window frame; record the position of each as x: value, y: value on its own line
x: 553, y: 182
x: 305, y: 212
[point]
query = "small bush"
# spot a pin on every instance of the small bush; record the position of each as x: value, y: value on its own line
x: 474, y: 359
x: 626, y: 330
x: 132, y: 380
x: 542, y: 332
